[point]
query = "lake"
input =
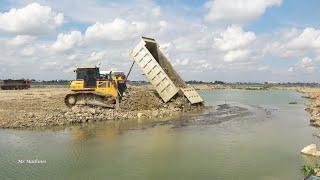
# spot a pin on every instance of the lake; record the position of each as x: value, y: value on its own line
x: 257, y: 135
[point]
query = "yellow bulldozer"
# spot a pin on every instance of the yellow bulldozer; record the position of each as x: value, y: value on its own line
x: 92, y: 87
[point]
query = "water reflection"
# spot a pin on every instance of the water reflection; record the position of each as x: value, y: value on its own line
x: 110, y: 130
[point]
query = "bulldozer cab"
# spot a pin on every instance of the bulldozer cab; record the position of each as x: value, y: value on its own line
x: 89, y: 76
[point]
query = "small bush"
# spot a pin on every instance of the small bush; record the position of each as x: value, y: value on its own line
x: 293, y: 102
x: 308, y: 170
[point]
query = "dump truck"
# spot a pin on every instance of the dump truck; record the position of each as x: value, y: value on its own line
x: 160, y: 72
x: 10, y: 84
x: 94, y: 88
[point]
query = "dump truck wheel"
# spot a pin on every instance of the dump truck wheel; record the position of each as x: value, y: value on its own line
x: 70, y: 100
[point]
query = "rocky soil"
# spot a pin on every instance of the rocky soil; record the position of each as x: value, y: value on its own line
x: 42, y: 107
x: 314, y: 107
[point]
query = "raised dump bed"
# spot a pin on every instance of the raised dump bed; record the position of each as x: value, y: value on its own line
x: 160, y: 72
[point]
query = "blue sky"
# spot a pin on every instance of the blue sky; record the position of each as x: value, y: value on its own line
x: 291, y: 14
x: 229, y: 40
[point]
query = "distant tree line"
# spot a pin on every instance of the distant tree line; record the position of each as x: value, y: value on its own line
x: 49, y: 82
x: 204, y: 82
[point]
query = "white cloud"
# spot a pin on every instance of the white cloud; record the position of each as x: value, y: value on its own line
x: 294, y: 43
x: 233, y: 38
x: 181, y: 62
x: 68, y: 41
x: 20, y: 40
x: 307, y: 65
x: 163, y: 26
x: 236, y: 55
x: 308, y: 39
x: 237, y: 11
x: 234, y: 43
x: 317, y: 55
x: 32, y: 19
x: 93, y: 11
x: 117, y: 30
x: 165, y: 48
x: 291, y: 69
x: 72, y: 57
x: 28, y: 51
x: 156, y: 10
x: 96, y: 56
x: 193, y: 42
x: 263, y: 68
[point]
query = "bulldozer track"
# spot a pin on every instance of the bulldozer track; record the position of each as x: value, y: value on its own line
x: 89, y: 99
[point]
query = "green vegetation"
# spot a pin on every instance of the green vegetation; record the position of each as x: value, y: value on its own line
x: 203, y: 82
x: 293, y: 102
x: 307, y: 97
x: 49, y: 82
x: 256, y: 88
x: 309, y: 170
x: 252, y: 87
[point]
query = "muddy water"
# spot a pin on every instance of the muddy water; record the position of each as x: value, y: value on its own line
x: 248, y: 135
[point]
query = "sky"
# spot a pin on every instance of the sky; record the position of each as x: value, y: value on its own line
x: 207, y: 40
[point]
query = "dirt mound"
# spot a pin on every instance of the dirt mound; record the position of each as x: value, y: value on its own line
x: 140, y: 100
x: 148, y: 99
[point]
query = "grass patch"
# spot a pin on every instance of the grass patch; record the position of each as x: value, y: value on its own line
x: 293, y: 102
x: 309, y: 170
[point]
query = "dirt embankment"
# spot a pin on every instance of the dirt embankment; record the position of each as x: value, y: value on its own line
x: 314, y: 107
x: 40, y: 107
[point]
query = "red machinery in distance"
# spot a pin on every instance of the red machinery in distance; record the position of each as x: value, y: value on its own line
x: 10, y: 84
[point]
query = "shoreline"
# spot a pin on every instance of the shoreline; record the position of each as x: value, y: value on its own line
x: 44, y: 107
x: 314, y: 106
